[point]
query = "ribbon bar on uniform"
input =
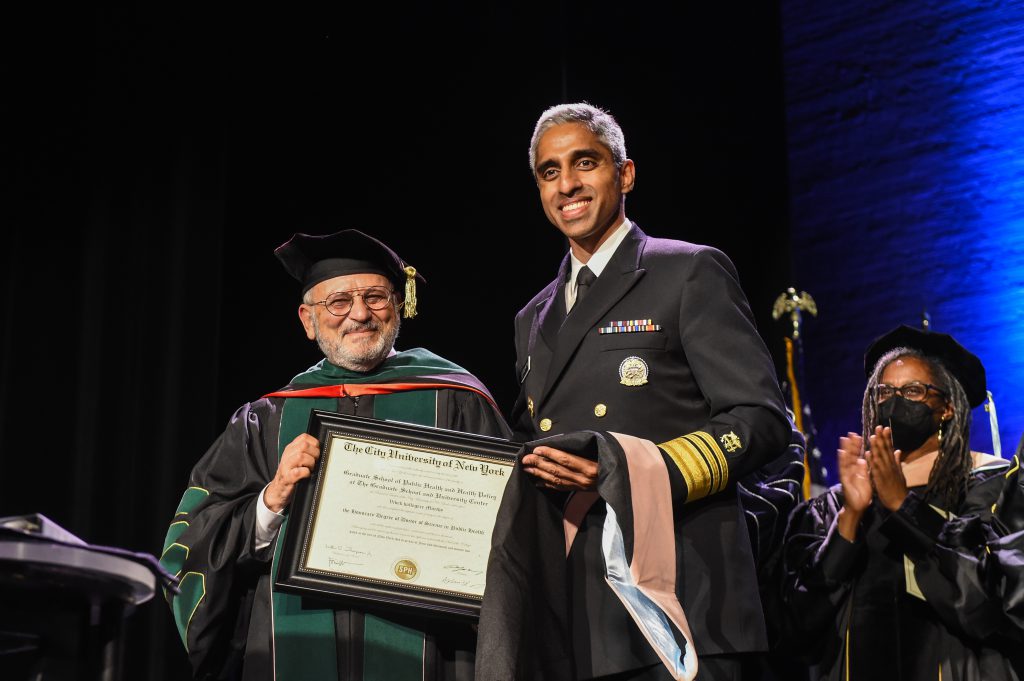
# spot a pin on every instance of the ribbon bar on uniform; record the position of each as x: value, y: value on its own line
x: 630, y: 326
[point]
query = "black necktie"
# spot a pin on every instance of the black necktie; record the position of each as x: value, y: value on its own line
x: 584, y: 278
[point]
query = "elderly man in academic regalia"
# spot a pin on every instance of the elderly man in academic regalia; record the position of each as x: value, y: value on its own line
x: 223, y: 540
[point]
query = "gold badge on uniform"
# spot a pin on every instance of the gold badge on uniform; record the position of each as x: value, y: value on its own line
x: 731, y: 441
x: 529, y: 405
x: 633, y: 371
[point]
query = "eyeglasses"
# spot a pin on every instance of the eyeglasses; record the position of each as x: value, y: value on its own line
x: 339, y: 303
x: 914, y: 391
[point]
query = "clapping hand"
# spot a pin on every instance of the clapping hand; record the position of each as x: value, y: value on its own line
x: 885, y: 469
x: 853, y: 474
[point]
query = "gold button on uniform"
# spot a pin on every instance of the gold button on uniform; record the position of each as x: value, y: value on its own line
x: 600, y: 410
x: 545, y: 425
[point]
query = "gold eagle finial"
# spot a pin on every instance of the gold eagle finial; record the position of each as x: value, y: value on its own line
x: 794, y: 303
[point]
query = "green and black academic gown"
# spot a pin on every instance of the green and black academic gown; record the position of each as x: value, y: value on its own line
x: 232, y: 624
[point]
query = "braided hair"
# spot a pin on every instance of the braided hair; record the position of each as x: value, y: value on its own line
x: 947, y: 482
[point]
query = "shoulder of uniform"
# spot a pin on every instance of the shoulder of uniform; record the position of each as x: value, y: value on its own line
x: 676, y: 249
x: 685, y: 257
x: 542, y: 295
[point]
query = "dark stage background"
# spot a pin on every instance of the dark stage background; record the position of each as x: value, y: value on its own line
x: 156, y: 155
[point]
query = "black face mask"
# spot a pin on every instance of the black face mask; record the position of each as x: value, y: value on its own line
x: 912, y: 422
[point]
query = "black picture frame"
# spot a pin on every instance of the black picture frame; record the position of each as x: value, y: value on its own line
x: 341, y: 586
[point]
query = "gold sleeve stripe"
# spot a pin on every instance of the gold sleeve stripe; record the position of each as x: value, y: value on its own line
x: 715, y: 460
x: 700, y: 462
x: 716, y: 451
x: 707, y: 458
x: 696, y: 475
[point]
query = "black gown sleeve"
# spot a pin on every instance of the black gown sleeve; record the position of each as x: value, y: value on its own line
x: 210, y: 542
x: 970, y: 570
x: 470, y: 412
x: 768, y: 497
x: 819, y: 567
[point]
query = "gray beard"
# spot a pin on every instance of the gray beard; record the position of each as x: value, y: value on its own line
x: 365, y: 357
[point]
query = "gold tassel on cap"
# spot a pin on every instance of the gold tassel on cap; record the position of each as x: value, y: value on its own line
x: 410, y: 292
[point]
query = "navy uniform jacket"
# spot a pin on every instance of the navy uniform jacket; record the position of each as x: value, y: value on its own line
x: 709, y: 398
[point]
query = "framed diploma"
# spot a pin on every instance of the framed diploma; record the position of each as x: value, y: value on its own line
x: 395, y: 515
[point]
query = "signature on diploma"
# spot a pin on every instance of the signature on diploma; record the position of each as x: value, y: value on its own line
x: 462, y: 576
x: 346, y: 555
x: 462, y: 570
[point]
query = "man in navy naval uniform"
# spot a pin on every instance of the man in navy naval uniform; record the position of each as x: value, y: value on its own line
x: 621, y: 550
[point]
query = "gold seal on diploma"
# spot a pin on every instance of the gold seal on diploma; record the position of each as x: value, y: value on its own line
x: 406, y: 569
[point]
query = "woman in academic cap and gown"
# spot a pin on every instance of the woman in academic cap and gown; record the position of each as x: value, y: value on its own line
x: 911, y: 567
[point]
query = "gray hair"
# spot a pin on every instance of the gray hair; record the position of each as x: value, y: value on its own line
x: 597, y: 121
x: 947, y: 482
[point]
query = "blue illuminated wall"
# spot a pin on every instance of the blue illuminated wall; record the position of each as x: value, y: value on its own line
x: 905, y: 125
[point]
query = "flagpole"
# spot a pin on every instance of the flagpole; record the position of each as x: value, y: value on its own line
x: 795, y: 304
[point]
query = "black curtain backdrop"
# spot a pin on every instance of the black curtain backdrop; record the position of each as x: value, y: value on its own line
x: 154, y: 156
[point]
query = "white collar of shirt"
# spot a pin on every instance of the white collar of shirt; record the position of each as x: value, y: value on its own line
x: 598, y: 260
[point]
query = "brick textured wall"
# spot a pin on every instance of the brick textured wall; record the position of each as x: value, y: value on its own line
x: 905, y: 126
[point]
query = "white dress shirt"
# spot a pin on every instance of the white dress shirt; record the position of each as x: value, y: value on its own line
x: 597, y: 261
